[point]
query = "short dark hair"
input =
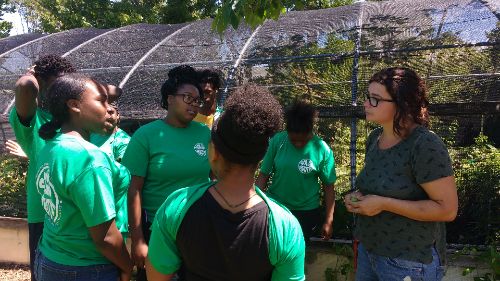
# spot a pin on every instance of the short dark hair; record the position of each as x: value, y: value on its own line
x: 299, y: 117
x: 114, y: 94
x: 211, y: 76
x: 409, y: 93
x: 251, y: 116
x: 52, y: 65
x: 64, y: 88
x: 178, y: 76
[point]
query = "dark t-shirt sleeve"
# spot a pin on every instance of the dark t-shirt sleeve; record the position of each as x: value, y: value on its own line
x: 430, y: 159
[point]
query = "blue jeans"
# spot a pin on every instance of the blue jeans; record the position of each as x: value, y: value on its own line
x: 35, y: 231
x: 372, y: 267
x: 47, y: 270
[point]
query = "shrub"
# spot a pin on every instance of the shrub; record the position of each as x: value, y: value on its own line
x: 477, y: 172
x: 12, y: 187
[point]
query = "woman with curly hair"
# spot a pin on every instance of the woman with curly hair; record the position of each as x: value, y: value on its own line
x: 165, y: 155
x: 229, y: 229
x: 406, y: 189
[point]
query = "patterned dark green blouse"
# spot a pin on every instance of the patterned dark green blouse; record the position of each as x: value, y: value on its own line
x: 397, y: 172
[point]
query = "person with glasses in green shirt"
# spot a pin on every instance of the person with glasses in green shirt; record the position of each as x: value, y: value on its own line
x: 228, y: 229
x: 297, y: 159
x: 164, y: 156
x: 27, y: 116
x: 80, y: 239
x: 406, y: 189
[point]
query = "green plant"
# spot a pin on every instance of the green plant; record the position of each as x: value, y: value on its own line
x: 490, y: 256
x: 477, y: 173
x: 12, y: 187
x: 343, y: 268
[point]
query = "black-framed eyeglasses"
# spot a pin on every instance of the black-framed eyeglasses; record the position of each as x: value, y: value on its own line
x: 374, y: 101
x: 190, y: 100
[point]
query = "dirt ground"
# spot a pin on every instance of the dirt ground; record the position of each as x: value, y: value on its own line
x: 14, y: 272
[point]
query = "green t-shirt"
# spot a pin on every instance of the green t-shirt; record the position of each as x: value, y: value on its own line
x: 75, y: 180
x: 31, y: 142
x: 286, y: 242
x: 295, y: 172
x: 168, y: 158
x: 114, y: 146
x: 398, y: 172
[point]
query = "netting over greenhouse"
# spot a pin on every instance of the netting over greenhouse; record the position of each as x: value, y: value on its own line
x: 326, y: 56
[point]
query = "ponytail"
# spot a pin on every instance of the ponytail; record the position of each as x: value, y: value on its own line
x: 48, y: 130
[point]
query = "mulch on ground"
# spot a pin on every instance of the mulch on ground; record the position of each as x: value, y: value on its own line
x: 14, y: 272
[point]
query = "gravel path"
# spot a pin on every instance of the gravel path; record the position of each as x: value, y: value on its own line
x: 14, y: 272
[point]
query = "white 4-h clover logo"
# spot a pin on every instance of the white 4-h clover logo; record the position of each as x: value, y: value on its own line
x: 306, y: 166
x: 50, y: 200
x: 200, y: 149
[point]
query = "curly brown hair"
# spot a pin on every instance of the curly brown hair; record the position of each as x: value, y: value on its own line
x: 300, y: 117
x: 409, y: 93
x: 211, y: 76
x: 52, y: 65
x: 251, y: 116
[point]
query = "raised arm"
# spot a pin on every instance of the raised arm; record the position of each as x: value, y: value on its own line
x: 26, y: 93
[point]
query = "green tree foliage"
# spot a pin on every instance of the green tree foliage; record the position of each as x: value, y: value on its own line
x: 5, y: 26
x: 255, y: 12
x: 58, y: 15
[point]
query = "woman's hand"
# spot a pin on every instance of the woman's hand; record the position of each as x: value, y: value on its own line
x: 125, y: 276
x: 366, y: 205
x: 139, y: 253
x: 326, y: 231
x: 351, y: 198
x: 15, y: 149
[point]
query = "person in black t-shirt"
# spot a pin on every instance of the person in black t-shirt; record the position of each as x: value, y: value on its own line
x: 228, y: 229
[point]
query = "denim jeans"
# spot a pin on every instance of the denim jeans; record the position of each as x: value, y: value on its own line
x: 47, y: 270
x: 372, y: 267
x: 35, y: 231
